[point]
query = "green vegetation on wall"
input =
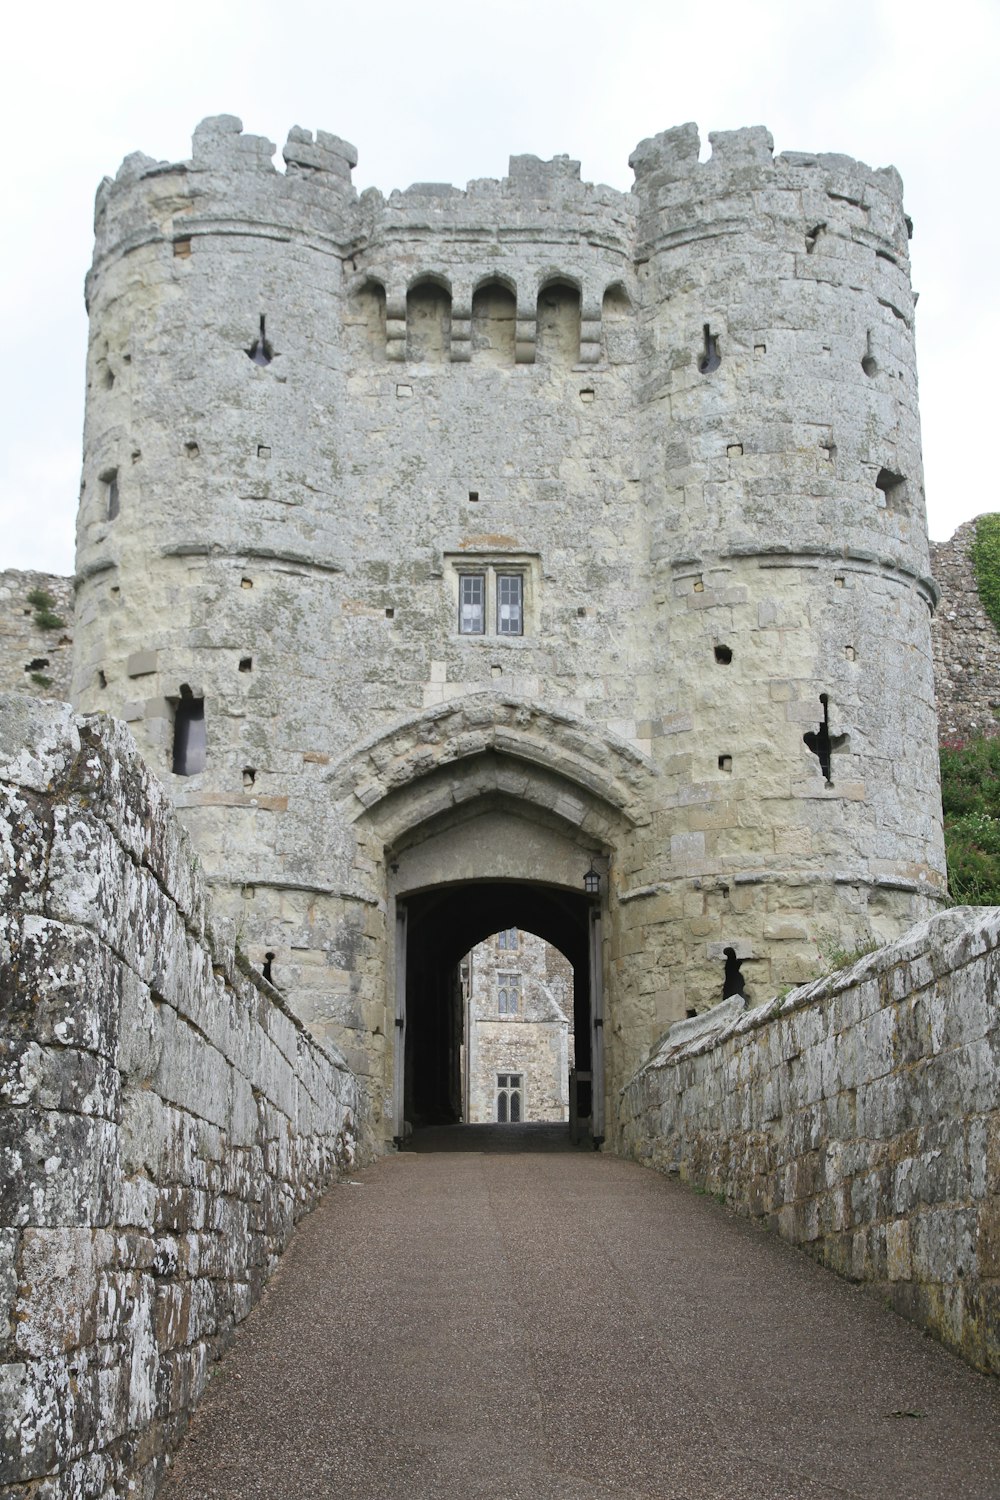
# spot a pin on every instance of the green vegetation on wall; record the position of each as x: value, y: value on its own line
x: 985, y: 554
x: 970, y: 793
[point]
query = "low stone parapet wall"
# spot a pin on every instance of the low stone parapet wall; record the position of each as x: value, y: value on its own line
x: 860, y: 1118
x: 164, y: 1119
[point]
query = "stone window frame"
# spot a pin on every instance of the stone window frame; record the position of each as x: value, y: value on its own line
x: 507, y: 1091
x: 508, y: 981
x: 491, y: 567
x: 504, y: 939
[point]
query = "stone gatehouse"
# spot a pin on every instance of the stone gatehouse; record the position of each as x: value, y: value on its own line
x: 443, y: 549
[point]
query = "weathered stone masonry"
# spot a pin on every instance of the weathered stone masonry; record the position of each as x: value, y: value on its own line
x: 163, y: 1118
x: 684, y: 419
x: 859, y: 1117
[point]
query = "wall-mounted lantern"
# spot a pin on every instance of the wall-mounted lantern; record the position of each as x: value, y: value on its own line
x: 592, y: 881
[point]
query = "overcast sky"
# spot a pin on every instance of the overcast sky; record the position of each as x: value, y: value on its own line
x: 446, y: 91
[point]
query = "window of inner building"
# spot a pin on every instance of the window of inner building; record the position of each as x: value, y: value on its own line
x: 509, y: 1098
x: 508, y: 938
x: 508, y: 994
x: 472, y: 604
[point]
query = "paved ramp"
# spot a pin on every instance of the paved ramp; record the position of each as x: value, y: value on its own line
x: 567, y: 1326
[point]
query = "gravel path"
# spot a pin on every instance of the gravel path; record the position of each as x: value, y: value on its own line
x: 560, y: 1325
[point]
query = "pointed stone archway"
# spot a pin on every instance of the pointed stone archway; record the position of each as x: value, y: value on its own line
x: 483, y: 813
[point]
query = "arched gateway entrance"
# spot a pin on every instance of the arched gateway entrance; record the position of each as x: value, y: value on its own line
x: 435, y: 928
x: 478, y: 814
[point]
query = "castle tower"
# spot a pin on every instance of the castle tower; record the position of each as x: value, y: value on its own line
x: 440, y: 548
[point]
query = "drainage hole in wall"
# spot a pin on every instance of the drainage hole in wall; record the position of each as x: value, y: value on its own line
x: 246, y: 663
x: 724, y: 655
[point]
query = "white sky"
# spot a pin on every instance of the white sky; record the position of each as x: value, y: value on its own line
x: 437, y: 90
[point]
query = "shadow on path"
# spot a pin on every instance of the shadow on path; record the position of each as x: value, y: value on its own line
x: 494, y: 1138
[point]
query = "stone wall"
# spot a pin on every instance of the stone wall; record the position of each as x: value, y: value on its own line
x: 531, y: 1037
x: 35, y: 657
x: 966, y: 644
x: 164, y: 1118
x: 860, y: 1118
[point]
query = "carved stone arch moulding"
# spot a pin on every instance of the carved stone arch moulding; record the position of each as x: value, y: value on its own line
x: 484, y: 744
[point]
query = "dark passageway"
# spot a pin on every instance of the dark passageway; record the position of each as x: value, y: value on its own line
x: 442, y: 925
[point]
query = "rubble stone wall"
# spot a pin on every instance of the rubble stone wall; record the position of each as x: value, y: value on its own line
x: 164, y: 1119
x: 36, y: 645
x: 860, y: 1118
x: 966, y: 644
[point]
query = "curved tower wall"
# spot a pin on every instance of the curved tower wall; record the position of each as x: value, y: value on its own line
x: 783, y: 488
x: 506, y: 379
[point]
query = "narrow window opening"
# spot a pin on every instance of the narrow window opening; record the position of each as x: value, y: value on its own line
x: 102, y: 681
x: 249, y: 776
x: 893, y: 487
x: 190, y: 742
x: 711, y: 359
x: 822, y: 743
x: 268, y: 972
x: 112, y: 499
x: 261, y: 352
x: 472, y: 604
x: 725, y: 762
x: 724, y: 655
x: 812, y: 235
x: 473, y: 497
x: 733, y: 982
x: 390, y: 613
x: 510, y: 610
x: 246, y: 663
x: 868, y: 361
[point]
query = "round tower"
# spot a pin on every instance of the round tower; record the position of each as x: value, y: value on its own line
x: 793, y: 702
